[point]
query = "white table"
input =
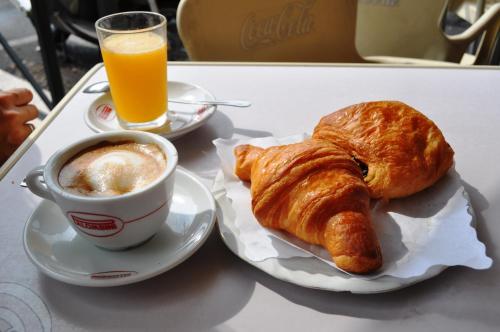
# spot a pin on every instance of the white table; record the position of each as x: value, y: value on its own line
x: 216, y: 291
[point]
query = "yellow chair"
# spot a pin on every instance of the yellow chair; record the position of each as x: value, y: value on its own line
x: 412, y: 29
x: 264, y: 30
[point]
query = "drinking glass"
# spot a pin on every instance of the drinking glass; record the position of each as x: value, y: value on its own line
x: 134, y: 50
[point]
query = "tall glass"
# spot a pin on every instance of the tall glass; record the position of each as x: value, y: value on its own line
x: 134, y: 50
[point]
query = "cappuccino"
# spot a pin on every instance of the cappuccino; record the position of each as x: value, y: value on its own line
x: 111, y: 169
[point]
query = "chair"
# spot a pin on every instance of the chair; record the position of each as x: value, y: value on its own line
x: 413, y: 29
x: 489, y: 49
x: 263, y: 30
x: 78, y: 19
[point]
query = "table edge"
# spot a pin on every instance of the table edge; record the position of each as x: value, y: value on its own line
x: 429, y: 64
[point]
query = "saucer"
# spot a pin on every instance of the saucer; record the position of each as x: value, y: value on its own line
x: 184, y: 118
x: 56, y: 249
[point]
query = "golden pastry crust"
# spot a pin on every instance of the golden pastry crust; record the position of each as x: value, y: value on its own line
x: 315, y: 191
x: 245, y: 156
x: 405, y: 151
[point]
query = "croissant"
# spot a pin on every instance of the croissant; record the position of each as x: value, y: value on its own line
x: 315, y: 191
x: 400, y: 150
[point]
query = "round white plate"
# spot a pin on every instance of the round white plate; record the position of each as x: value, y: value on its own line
x: 184, y: 118
x: 304, y: 271
x: 55, y: 248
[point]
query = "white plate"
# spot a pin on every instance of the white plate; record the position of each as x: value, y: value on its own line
x: 55, y: 248
x: 184, y: 118
x: 308, y: 271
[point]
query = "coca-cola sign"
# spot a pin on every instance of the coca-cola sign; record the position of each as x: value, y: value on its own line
x: 293, y: 20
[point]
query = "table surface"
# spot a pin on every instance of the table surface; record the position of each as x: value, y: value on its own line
x: 215, y: 290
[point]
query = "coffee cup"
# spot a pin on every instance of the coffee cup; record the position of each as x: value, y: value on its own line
x: 110, y: 219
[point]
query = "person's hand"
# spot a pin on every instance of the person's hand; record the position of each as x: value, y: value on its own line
x: 14, y: 113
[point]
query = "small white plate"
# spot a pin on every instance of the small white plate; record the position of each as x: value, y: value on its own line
x: 55, y: 248
x: 184, y: 118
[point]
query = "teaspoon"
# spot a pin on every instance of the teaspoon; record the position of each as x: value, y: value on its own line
x: 103, y: 86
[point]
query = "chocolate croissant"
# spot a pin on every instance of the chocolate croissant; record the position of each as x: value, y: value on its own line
x: 315, y: 191
x: 401, y: 151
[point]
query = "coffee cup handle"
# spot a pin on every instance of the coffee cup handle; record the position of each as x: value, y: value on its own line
x: 36, y: 186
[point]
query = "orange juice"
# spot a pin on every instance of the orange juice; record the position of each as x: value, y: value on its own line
x: 136, y: 64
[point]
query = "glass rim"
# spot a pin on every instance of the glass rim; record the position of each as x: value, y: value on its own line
x: 100, y: 20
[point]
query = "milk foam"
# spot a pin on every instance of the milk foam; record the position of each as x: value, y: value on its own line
x: 118, y: 171
x: 112, y: 169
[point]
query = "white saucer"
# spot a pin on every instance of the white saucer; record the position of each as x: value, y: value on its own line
x: 184, y: 118
x: 55, y: 248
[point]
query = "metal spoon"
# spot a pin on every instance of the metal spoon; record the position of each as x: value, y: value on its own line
x: 103, y: 86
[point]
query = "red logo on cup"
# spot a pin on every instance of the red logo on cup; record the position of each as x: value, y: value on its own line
x: 101, y: 225
x: 96, y: 224
x: 105, y: 112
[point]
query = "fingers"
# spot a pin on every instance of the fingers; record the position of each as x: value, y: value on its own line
x: 20, y: 115
x: 15, y: 97
x: 26, y: 113
x: 19, y: 134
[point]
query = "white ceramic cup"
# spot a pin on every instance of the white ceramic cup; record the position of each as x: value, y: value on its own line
x: 111, y: 222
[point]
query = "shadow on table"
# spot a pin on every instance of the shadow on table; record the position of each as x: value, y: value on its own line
x: 458, y: 293
x: 199, y: 142
x: 198, y: 295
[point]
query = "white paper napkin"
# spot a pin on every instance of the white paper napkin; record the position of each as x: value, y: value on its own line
x: 430, y: 228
